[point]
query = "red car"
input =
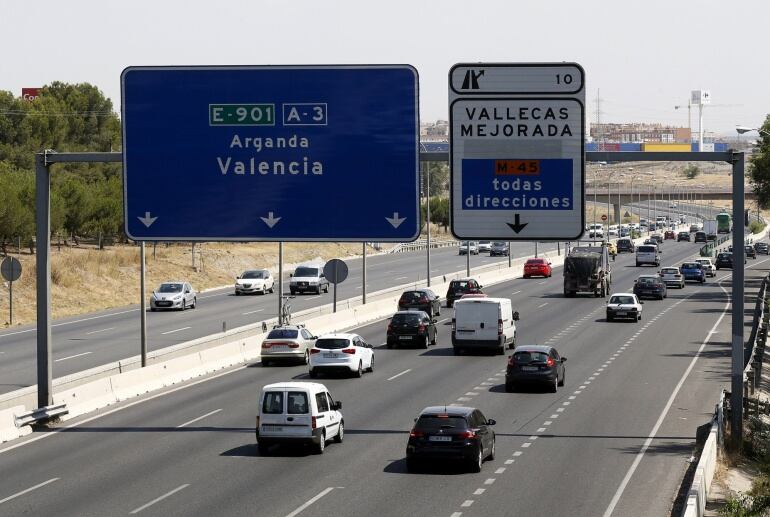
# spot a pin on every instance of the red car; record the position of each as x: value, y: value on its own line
x: 670, y: 234
x: 537, y: 267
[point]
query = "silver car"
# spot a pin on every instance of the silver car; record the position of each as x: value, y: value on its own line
x: 173, y: 295
x: 287, y: 342
x: 672, y: 277
x: 254, y: 281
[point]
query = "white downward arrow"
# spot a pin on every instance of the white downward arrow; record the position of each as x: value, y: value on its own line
x: 395, y: 220
x: 270, y: 220
x: 147, y: 220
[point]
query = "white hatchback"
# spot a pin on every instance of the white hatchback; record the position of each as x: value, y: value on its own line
x: 672, y: 276
x: 624, y: 305
x: 347, y: 353
x: 708, y: 266
x: 254, y: 281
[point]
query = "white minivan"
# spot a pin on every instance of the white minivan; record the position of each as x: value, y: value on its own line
x: 483, y: 323
x: 647, y: 254
x: 298, y: 412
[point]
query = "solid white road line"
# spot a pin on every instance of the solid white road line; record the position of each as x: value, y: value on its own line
x: 400, y: 374
x: 156, y: 500
x: 30, y: 489
x: 252, y: 312
x: 542, y: 305
x: 176, y: 330
x: 662, y: 417
x: 199, y: 418
x: 313, y: 500
x: 516, y: 292
x: 401, y: 278
x: 98, y: 331
x: 71, y: 357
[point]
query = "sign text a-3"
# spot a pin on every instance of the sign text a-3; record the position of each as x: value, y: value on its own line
x: 241, y: 114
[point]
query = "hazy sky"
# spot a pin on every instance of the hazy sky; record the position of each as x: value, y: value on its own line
x: 644, y: 57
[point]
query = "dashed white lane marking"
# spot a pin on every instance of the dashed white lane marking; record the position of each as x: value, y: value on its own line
x: 456, y: 514
x: 500, y: 470
x: 516, y: 292
x: 548, y: 422
x: 463, y: 399
x: 401, y: 277
x: 517, y: 453
x: 71, y: 357
x: 471, y: 394
x: 509, y: 462
x: 175, y: 330
x: 313, y: 500
x: 400, y: 374
x: 560, y: 409
x: 572, y: 397
x: 540, y: 429
x: 199, y: 418
x: 28, y: 490
x: 159, y: 499
x: 489, y: 481
x: 252, y: 312
x: 479, y: 491
x: 526, y: 444
x: 533, y: 438
x: 467, y: 503
x: 554, y: 416
x: 542, y: 305
x: 98, y: 331
x: 566, y: 403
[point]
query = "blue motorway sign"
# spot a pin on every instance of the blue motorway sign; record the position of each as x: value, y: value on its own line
x: 271, y: 153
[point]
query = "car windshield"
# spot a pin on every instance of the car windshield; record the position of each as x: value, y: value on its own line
x: 499, y: 244
x: 170, y: 288
x: 622, y: 299
x: 437, y: 422
x: 530, y: 357
x: 332, y: 343
x: 253, y: 274
x: 306, y: 271
x: 406, y: 319
x: 283, y: 334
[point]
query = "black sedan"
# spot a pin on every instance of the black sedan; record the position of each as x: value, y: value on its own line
x: 457, y: 288
x: 724, y: 260
x: 411, y: 328
x: 420, y: 299
x: 650, y: 286
x: 535, y: 363
x: 451, y: 433
x: 761, y: 247
x: 683, y: 236
x: 750, y: 251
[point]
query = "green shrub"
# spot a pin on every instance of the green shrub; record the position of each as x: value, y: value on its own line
x: 756, y: 226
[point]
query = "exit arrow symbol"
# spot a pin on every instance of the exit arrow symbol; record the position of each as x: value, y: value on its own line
x: 395, y: 220
x: 516, y: 226
x: 147, y: 220
x: 270, y: 221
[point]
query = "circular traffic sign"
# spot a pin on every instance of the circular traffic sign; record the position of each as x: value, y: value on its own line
x: 10, y: 268
x: 604, y: 217
x: 336, y: 271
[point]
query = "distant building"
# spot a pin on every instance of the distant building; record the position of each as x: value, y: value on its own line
x: 434, y: 131
x: 638, y: 133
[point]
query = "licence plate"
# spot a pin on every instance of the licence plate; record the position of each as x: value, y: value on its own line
x: 279, y: 347
x: 620, y: 313
x: 404, y: 337
x: 529, y: 368
x: 439, y: 438
x: 271, y: 428
x: 330, y: 355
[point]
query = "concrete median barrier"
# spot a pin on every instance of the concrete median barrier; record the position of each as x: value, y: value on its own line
x: 8, y: 429
x: 87, y: 397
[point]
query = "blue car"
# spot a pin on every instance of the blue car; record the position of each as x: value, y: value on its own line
x: 693, y: 271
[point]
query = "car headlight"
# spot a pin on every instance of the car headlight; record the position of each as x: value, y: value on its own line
x: 178, y: 297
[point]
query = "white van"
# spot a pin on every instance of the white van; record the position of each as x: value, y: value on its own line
x: 483, y: 323
x: 298, y: 412
x: 647, y: 254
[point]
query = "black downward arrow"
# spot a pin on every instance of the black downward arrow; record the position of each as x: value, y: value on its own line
x: 516, y: 226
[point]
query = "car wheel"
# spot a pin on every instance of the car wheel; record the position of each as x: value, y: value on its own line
x: 265, y: 363
x: 313, y: 374
x: 563, y: 377
x: 320, y: 289
x: 263, y: 449
x: 609, y: 317
x: 340, y: 433
x: 293, y: 292
x: 553, y: 388
x: 319, y: 448
x: 509, y: 387
x: 457, y: 350
x: 237, y: 293
x: 491, y: 455
x: 411, y: 465
x: 184, y: 304
x: 433, y: 341
x: 371, y: 365
x: 525, y: 276
x: 326, y: 288
x: 195, y: 302
x: 360, y: 371
x: 477, y: 461
x: 306, y: 360
x: 389, y: 345
x: 152, y: 309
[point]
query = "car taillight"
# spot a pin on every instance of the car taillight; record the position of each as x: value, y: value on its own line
x: 293, y: 345
x: 349, y: 351
x: 312, y: 422
x: 512, y: 361
x: 390, y: 328
x: 266, y: 345
x: 454, y: 325
x: 421, y: 328
x: 467, y: 435
x: 424, y: 300
x: 550, y: 362
x: 499, y: 327
x: 414, y: 433
x: 314, y: 351
x: 257, y: 421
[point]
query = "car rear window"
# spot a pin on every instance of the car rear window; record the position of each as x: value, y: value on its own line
x: 621, y: 299
x: 411, y: 319
x: 282, y: 334
x: 437, y: 422
x: 411, y: 296
x: 530, y: 357
x: 458, y: 286
x: 296, y: 403
x: 646, y: 280
x: 725, y: 255
x: 645, y: 249
x: 690, y: 265
x: 535, y: 261
x: 332, y: 343
x: 669, y: 271
x: 273, y: 403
